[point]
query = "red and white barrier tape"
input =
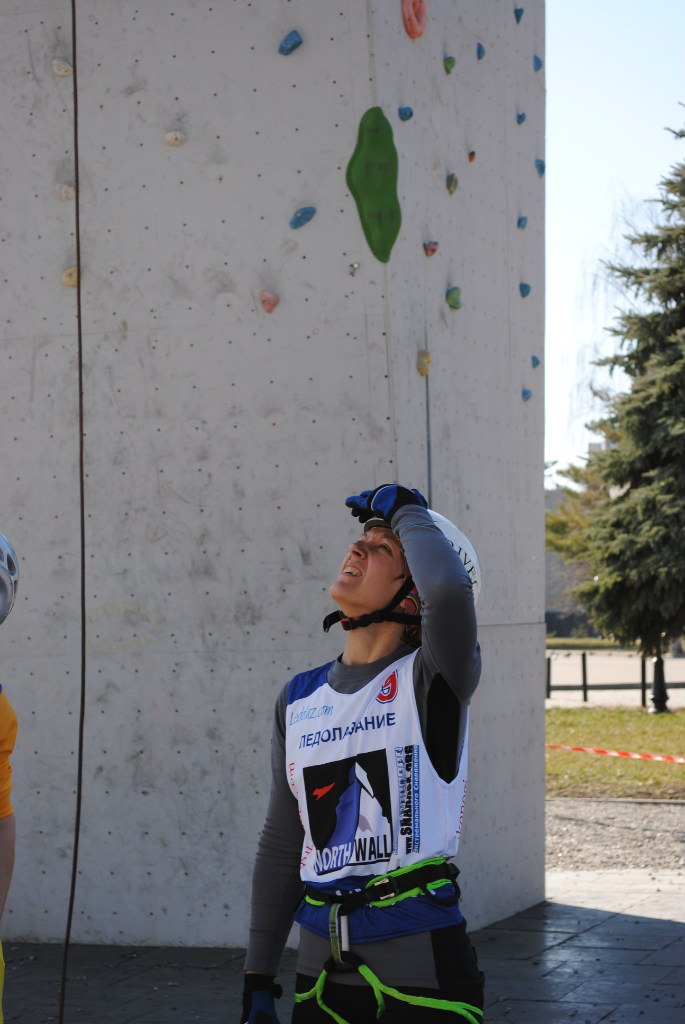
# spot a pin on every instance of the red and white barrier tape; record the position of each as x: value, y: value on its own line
x: 619, y: 753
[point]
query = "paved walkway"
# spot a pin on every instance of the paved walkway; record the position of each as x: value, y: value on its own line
x: 604, y: 947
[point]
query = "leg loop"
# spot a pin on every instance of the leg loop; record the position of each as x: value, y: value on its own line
x: 464, y: 1011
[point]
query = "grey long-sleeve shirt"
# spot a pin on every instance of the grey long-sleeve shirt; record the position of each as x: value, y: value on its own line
x: 446, y: 673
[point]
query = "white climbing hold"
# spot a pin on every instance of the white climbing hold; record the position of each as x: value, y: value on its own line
x: 65, y: 193
x: 62, y: 68
x: 175, y: 138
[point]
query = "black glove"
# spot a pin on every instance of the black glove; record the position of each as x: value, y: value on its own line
x: 383, y: 502
x: 259, y: 991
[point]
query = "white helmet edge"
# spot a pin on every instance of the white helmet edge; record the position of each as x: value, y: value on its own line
x: 464, y: 548
x: 9, y: 576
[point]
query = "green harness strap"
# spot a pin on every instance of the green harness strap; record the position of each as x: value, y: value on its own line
x: 471, y: 1014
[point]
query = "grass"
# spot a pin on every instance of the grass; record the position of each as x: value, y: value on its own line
x: 584, y: 643
x: 572, y: 773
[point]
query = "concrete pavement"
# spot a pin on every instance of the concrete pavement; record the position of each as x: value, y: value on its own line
x: 604, y: 947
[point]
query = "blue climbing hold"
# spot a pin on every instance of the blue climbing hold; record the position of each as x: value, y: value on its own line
x: 540, y: 167
x: 518, y: 14
x: 405, y: 113
x: 522, y: 223
x: 302, y: 216
x: 537, y: 63
x: 526, y: 394
x: 534, y: 362
x: 480, y: 51
x: 520, y: 118
x: 290, y: 42
x: 524, y: 289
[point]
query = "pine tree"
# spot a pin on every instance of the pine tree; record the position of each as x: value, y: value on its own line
x: 631, y: 533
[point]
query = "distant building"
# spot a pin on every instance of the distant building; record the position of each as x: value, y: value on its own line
x: 564, y: 616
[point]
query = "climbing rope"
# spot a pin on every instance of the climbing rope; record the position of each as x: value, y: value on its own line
x: 82, y: 703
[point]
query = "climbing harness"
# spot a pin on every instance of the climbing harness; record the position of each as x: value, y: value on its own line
x: 422, y: 879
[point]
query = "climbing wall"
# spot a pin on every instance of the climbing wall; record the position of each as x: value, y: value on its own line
x: 311, y: 261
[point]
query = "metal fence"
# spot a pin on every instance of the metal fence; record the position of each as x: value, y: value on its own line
x: 585, y: 684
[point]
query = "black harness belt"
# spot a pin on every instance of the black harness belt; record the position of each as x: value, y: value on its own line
x: 384, y: 890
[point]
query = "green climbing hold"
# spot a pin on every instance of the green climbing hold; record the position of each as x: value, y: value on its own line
x: 453, y: 298
x: 448, y: 64
x: 451, y: 182
x: 372, y: 180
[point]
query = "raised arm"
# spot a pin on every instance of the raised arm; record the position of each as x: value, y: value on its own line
x: 448, y: 617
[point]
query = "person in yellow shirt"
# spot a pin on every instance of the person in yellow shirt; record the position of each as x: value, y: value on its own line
x: 9, y: 580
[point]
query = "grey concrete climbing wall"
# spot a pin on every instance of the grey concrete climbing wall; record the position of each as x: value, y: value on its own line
x: 221, y: 438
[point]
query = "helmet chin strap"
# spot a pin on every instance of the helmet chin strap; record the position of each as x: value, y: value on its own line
x: 386, y: 614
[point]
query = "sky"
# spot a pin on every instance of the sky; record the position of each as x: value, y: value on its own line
x: 615, y: 77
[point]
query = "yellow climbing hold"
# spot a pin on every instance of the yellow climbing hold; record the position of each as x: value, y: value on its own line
x: 423, y: 362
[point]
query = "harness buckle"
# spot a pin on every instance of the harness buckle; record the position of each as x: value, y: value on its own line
x: 383, y: 889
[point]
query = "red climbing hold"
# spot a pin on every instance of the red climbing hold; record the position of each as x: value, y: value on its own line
x: 414, y: 17
x: 268, y: 301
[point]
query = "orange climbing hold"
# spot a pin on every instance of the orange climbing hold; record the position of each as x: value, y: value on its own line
x: 414, y: 17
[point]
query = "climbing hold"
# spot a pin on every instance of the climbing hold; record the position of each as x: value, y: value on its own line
x: 451, y: 182
x: 414, y: 17
x: 423, y: 362
x: 405, y: 113
x: 526, y: 394
x: 66, y: 192
x: 524, y: 289
x: 453, y: 298
x: 175, y: 138
x: 354, y: 267
x: 537, y: 62
x: 302, y: 216
x: 522, y: 222
x: 448, y: 64
x: 372, y: 179
x: 518, y: 14
x: 534, y: 362
x: 520, y: 118
x: 472, y: 155
x: 62, y: 68
x: 430, y: 248
x: 70, y: 277
x: 290, y: 42
x: 540, y: 167
x: 268, y: 301
x: 480, y: 51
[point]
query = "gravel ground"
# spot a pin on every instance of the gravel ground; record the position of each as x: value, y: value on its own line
x: 595, y: 835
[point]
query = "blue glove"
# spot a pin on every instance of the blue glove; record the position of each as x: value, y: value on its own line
x: 383, y: 502
x: 259, y: 991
